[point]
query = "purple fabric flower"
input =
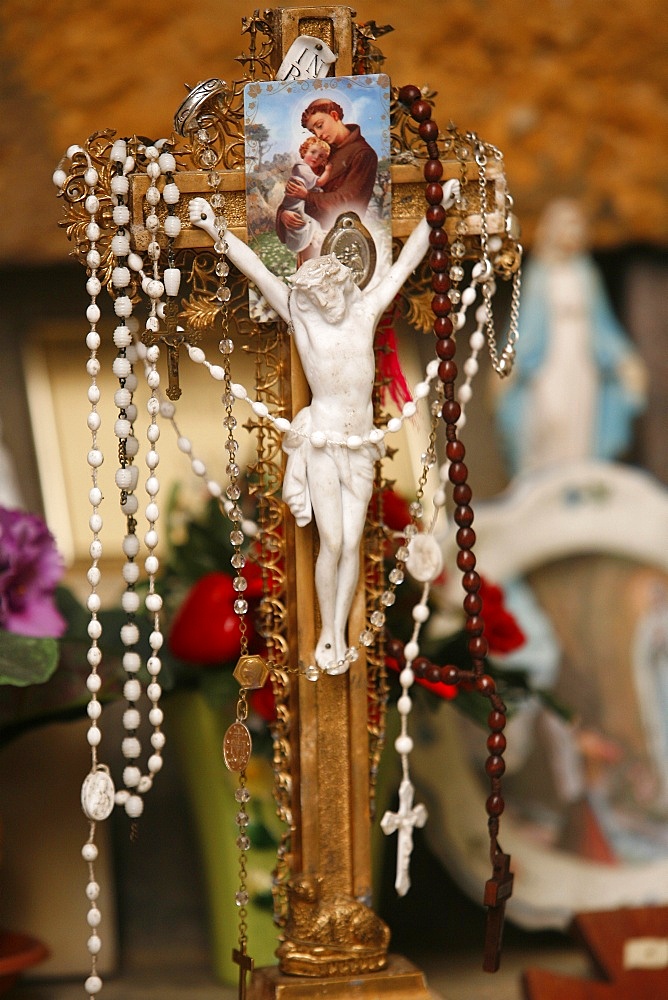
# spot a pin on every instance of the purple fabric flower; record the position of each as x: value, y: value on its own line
x: 30, y: 568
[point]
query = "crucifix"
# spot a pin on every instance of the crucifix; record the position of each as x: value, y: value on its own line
x: 403, y: 822
x: 246, y: 965
x: 182, y: 201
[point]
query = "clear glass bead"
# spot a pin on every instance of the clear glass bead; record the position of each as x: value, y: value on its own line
x: 222, y: 268
x: 233, y: 492
x: 240, y: 584
x: 416, y: 509
x: 241, y: 898
x: 402, y: 553
x: 226, y: 346
x: 230, y: 422
x: 208, y: 158
x: 228, y: 399
x: 396, y: 575
x: 367, y: 637
x: 455, y: 296
x: 458, y: 249
x: 235, y: 513
x: 242, y: 818
x: 387, y: 598
x: 231, y: 446
x: 243, y: 842
x: 377, y: 619
x: 312, y: 673
x: 436, y: 408
x: 456, y: 272
x: 352, y: 654
x: 223, y: 294
x: 240, y: 606
x: 410, y: 531
x: 242, y: 794
x: 233, y: 470
x: 238, y: 560
x: 237, y: 537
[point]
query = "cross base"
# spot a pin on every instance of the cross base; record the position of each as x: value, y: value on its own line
x: 400, y: 980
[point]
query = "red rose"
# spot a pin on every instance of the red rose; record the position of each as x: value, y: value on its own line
x: 501, y: 629
x: 206, y: 627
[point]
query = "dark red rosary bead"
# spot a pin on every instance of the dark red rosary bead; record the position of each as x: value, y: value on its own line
x: 496, y: 721
x: 421, y: 110
x: 496, y: 743
x: 440, y: 282
x: 428, y: 131
x: 451, y: 412
x: 462, y: 492
x: 434, y: 193
x: 435, y: 216
x: 409, y: 94
x: 471, y: 581
x: 438, y: 238
x: 485, y: 684
x: 439, y: 260
x: 495, y: 766
x: 447, y: 371
x: 441, y: 305
x: 450, y: 674
x: 472, y: 602
x: 474, y: 625
x: 463, y: 515
x: 457, y: 472
x: 455, y: 451
x: 433, y: 673
x: 443, y: 326
x: 433, y: 170
x: 478, y: 646
x: 420, y: 666
x: 395, y: 649
x: 465, y: 561
x: 465, y: 538
x: 494, y: 805
x: 445, y: 349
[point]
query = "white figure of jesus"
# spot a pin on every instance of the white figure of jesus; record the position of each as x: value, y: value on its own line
x: 331, y: 445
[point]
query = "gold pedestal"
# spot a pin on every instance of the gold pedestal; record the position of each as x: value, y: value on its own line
x: 400, y: 980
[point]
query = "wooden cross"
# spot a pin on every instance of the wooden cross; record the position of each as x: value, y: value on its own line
x: 404, y: 821
x: 245, y: 963
x: 498, y: 890
x: 628, y: 947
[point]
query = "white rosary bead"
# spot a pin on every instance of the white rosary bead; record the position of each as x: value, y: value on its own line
x: 134, y: 806
x: 120, y: 185
x: 156, y: 716
x: 94, y: 710
x: 93, y: 736
x: 131, y: 776
x: 151, y: 565
x: 93, y: 313
x: 93, y: 985
x: 130, y: 546
x: 153, y: 196
x: 172, y: 226
x: 155, y: 763
x: 170, y: 194
x: 153, y: 603
x: 406, y: 677
x: 158, y: 740
x: 131, y: 662
x: 129, y: 634
x: 404, y: 705
x: 93, y: 576
x: 130, y: 572
x: 93, y: 369
x: 130, y: 747
x: 130, y: 601
x: 89, y: 852
x: 94, y: 944
x: 132, y: 689
x: 93, y: 421
x: 403, y: 745
x: 153, y: 691
x: 145, y: 783
x: 94, y: 917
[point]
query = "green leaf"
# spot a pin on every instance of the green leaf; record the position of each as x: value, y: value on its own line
x: 25, y: 660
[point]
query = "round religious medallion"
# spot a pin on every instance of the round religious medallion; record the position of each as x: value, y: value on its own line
x: 353, y: 245
x: 237, y: 745
x: 97, y: 794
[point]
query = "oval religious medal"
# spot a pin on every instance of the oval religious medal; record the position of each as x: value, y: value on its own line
x: 237, y: 745
x: 352, y: 243
x: 97, y: 794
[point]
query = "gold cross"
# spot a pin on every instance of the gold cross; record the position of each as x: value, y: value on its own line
x: 245, y: 963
